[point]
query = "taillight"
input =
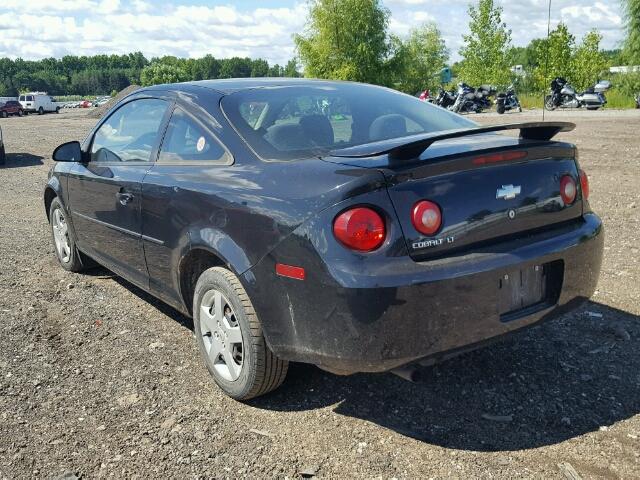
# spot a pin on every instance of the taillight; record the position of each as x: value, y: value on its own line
x: 360, y: 228
x: 426, y: 217
x: 568, y: 189
x: 584, y: 184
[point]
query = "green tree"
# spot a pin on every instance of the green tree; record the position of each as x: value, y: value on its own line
x: 291, y: 69
x: 160, y: 72
x: 588, y: 62
x: 554, y: 57
x: 632, y: 27
x: 419, y: 59
x: 485, y: 53
x: 345, y: 40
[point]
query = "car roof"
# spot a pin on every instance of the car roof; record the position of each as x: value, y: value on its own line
x: 230, y: 85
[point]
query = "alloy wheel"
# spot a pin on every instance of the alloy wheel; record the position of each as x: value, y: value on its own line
x: 61, y: 236
x: 221, y: 335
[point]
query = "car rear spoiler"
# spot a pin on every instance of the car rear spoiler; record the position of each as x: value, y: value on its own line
x: 410, y: 147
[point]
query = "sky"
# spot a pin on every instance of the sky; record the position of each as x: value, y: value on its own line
x: 253, y: 28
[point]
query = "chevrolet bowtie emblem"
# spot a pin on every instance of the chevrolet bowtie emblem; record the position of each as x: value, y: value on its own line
x: 508, y: 192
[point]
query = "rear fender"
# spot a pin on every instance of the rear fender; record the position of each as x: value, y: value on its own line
x: 221, y: 245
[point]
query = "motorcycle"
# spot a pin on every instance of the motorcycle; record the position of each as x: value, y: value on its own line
x: 563, y: 95
x: 445, y: 99
x: 508, y: 101
x: 425, y: 96
x: 467, y: 101
x: 484, y: 94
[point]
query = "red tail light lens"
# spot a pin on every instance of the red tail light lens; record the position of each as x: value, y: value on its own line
x: 426, y: 217
x: 360, y: 229
x: 568, y: 189
x: 584, y: 184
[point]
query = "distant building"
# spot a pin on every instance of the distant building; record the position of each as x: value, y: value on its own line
x: 518, y: 70
x: 624, y: 69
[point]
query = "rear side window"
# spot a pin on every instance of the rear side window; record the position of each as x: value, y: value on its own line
x: 22, y: 98
x: 303, y: 121
x: 130, y: 133
x: 187, y: 140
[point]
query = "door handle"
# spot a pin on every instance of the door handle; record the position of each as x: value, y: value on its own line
x: 124, y: 198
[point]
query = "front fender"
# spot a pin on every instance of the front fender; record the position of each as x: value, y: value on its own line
x: 53, y: 189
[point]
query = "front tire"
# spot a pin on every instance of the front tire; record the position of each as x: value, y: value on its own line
x: 548, y: 103
x: 64, y: 242
x: 500, y: 108
x: 230, y: 337
x: 41, y: 111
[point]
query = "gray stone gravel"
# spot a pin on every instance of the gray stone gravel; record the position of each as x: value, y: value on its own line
x: 98, y: 379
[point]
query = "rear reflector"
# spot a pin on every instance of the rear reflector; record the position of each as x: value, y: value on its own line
x: 290, y: 271
x: 426, y: 217
x: 584, y: 184
x: 568, y: 189
x: 500, y: 157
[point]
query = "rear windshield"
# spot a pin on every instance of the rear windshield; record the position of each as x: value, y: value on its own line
x: 294, y: 122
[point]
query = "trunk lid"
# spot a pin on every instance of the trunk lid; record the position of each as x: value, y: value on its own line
x: 481, y: 197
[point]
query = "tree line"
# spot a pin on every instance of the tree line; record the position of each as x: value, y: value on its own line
x: 106, y: 74
x: 350, y: 40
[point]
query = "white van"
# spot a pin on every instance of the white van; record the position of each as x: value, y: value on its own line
x: 38, y: 102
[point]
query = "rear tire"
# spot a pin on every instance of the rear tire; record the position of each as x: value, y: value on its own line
x: 500, y: 109
x: 3, y: 156
x: 230, y: 337
x: 57, y: 109
x: 20, y: 113
x: 5, y: 114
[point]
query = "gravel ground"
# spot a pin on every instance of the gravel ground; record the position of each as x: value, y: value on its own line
x: 101, y: 380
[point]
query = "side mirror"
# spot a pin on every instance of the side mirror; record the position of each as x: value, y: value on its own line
x: 68, y: 152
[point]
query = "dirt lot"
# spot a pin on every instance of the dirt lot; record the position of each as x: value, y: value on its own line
x: 99, y: 379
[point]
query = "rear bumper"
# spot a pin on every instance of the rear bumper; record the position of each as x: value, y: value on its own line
x: 362, y: 318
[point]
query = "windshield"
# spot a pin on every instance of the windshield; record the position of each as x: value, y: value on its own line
x: 294, y: 122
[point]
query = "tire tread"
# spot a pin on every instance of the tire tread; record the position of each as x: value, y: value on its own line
x: 270, y: 371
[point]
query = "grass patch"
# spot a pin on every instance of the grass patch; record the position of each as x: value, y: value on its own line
x: 531, y: 100
x: 617, y: 99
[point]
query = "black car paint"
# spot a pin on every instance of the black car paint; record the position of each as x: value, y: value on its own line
x: 354, y: 311
x: 3, y: 155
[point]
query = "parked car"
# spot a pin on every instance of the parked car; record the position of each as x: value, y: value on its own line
x: 38, y: 102
x: 3, y: 155
x: 84, y: 104
x: 11, y: 107
x: 385, y: 232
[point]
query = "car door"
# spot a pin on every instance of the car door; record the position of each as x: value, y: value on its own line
x: 180, y: 190
x: 105, y: 192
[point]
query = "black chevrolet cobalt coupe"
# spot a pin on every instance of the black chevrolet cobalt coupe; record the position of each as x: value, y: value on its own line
x: 339, y: 224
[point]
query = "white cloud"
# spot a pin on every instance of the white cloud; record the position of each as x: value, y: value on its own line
x: 61, y: 27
